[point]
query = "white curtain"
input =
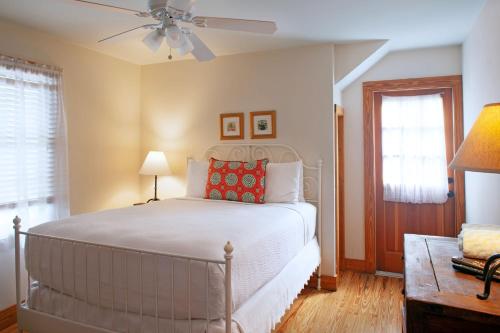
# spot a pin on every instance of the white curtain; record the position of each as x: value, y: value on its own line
x: 33, y: 166
x: 414, y: 149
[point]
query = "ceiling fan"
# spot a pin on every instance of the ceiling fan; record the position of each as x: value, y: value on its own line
x: 169, y: 13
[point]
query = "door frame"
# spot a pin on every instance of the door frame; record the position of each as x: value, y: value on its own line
x: 369, y: 89
x: 339, y: 187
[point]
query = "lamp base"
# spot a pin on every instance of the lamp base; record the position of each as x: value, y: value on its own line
x: 156, y: 188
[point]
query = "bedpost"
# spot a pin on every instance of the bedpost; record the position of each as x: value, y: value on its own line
x: 228, y: 249
x: 17, y: 226
x: 320, y: 224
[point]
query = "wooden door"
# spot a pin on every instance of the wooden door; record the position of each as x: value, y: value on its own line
x: 394, y: 219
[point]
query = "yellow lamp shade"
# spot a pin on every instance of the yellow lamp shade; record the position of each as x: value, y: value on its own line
x: 481, y: 149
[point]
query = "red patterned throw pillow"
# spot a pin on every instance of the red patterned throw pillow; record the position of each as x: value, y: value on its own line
x: 236, y: 181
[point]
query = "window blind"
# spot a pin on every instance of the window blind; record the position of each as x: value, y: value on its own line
x: 32, y: 134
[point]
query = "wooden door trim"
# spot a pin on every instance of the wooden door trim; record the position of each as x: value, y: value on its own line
x: 355, y: 265
x: 339, y: 188
x: 327, y: 282
x: 369, y: 89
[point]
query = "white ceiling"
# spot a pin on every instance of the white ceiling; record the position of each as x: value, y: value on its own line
x: 406, y: 23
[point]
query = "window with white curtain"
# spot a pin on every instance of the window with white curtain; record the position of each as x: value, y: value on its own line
x: 33, y: 174
x: 414, y: 149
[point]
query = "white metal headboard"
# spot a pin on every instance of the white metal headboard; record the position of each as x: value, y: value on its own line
x: 277, y: 153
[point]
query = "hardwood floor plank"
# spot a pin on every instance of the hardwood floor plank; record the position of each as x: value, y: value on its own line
x: 362, y: 303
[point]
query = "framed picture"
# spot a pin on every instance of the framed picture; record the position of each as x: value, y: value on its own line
x: 232, y: 126
x: 263, y: 124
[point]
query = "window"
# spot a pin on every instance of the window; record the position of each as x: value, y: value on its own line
x: 32, y: 145
x: 414, y: 149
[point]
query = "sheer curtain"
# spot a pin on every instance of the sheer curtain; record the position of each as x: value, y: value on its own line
x: 33, y: 166
x: 414, y: 149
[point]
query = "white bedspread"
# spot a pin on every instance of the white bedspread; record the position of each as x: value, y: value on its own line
x: 265, y: 238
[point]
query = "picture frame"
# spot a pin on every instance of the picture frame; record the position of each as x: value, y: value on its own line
x: 263, y: 125
x: 232, y: 126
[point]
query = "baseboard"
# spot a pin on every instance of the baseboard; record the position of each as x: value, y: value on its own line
x: 355, y: 265
x: 327, y: 282
x: 8, y: 317
x: 389, y: 274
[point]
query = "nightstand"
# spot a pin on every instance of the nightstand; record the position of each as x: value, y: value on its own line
x: 440, y: 299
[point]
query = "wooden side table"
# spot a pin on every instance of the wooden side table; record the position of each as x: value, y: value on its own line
x: 440, y: 299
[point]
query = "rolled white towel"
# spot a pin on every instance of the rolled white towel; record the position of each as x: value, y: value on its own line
x: 480, y: 243
x: 474, y: 226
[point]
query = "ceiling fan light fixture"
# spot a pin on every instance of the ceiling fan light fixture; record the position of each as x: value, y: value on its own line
x: 153, y: 40
x: 185, y: 48
x: 175, y: 37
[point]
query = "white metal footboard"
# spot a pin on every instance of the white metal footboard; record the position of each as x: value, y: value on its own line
x: 29, y: 316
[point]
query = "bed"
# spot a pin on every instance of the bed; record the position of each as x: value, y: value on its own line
x: 177, y: 265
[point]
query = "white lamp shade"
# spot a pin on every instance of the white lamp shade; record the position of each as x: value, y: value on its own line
x: 155, y: 164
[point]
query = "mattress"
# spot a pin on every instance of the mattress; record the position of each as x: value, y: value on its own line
x: 265, y: 238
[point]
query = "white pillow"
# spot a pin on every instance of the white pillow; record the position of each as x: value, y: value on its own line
x: 197, y: 174
x: 283, y: 182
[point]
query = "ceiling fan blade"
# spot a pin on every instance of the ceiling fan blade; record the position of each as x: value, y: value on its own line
x: 200, y: 50
x: 261, y: 27
x: 181, y: 5
x: 113, y: 8
x: 146, y: 26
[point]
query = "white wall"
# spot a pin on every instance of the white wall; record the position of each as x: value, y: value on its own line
x: 181, y: 103
x: 481, y: 75
x: 396, y: 65
x: 102, y: 104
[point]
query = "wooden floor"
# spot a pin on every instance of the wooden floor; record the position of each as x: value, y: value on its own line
x: 12, y: 329
x: 363, y: 303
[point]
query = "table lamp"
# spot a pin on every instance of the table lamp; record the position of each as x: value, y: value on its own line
x: 155, y: 164
x: 480, y: 150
